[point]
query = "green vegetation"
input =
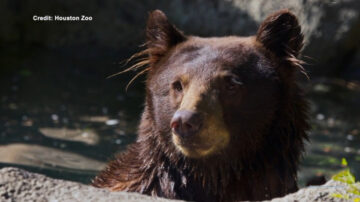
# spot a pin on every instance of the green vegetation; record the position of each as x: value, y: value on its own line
x: 345, y: 176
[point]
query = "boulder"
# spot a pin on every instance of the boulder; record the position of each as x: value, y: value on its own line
x: 331, y: 27
x: 20, y: 185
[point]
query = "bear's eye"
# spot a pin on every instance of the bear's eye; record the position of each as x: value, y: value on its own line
x: 233, y: 82
x: 177, y: 86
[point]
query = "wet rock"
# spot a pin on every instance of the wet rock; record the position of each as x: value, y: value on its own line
x: 47, y: 157
x: 87, y: 136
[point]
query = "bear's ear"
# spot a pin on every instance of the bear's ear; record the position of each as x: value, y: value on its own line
x: 161, y: 35
x: 281, y: 33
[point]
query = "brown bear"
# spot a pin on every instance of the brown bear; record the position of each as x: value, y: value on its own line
x: 224, y: 118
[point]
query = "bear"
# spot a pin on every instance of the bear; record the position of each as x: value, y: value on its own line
x: 224, y: 117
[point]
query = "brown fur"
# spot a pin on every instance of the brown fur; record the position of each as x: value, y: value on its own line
x: 256, y: 131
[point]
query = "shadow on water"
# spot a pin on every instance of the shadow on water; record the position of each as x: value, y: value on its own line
x: 52, y: 109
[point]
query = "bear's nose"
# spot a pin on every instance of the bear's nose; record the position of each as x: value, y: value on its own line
x: 186, y: 123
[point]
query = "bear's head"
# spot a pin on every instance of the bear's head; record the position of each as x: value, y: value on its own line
x: 210, y: 96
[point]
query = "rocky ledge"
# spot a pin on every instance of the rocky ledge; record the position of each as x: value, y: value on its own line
x: 20, y: 185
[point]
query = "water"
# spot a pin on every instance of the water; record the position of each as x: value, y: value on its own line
x: 65, y: 120
x: 60, y: 116
x: 335, y: 134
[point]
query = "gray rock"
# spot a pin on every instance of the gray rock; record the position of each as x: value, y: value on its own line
x: 318, y: 193
x: 331, y: 27
x: 20, y: 185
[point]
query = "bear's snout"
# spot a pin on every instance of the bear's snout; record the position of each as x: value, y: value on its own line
x: 186, y: 123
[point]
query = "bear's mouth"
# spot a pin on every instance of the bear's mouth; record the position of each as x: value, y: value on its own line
x: 190, y: 143
x: 193, y: 148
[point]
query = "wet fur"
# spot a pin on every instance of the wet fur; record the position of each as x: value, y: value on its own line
x: 264, y: 168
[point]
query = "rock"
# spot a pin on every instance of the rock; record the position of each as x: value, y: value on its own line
x: 331, y: 27
x: 318, y: 193
x: 47, y: 157
x: 19, y: 185
x: 86, y: 136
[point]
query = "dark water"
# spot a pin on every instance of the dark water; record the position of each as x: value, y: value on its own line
x: 63, y: 118
x: 335, y: 134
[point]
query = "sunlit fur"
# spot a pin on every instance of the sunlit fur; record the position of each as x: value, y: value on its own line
x: 251, y: 142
